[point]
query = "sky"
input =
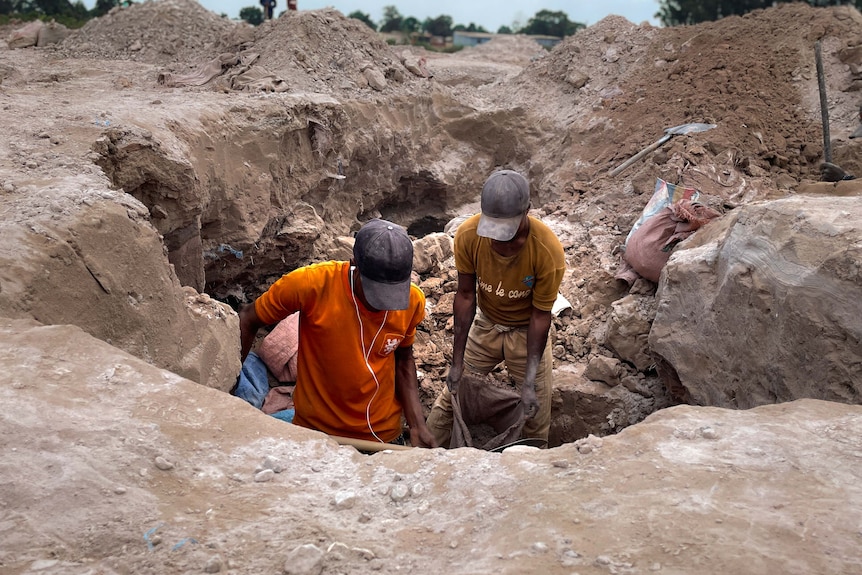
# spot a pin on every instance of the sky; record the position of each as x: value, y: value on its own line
x: 490, y: 14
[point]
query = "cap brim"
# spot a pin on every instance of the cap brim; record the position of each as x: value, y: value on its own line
x: 386, y: 296
x: 500, y: 229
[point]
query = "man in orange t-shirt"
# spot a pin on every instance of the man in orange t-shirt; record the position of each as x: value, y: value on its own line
x: 357, y: 323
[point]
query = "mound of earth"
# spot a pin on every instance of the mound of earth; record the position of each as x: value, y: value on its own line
x: 153, y: 32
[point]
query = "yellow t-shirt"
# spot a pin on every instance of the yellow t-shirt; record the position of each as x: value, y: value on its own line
x: 509, y: 287
x: 334, y: 386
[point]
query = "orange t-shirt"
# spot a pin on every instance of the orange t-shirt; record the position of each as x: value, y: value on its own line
x: 509, y: 287
x: 334, y: 384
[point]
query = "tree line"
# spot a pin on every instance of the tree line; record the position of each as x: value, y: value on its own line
x: 73, y: 15
x: 544, y: 22
x: 679, y: 12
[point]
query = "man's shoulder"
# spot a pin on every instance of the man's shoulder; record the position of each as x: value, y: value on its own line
x: 415, y: 311
x: 547, y: 243
x: 540, y: 225
x: 417, y: 296
x: 315, y: 275
x: 543, y: 232
x: 468, y: 226
x: 324, y: 268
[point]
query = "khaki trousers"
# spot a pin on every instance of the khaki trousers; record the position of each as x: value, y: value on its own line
x: 488, y: 344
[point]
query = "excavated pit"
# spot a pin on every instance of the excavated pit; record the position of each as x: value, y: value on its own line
x: 245, y: 181
x: 245, y: 188
x: 234, y: 216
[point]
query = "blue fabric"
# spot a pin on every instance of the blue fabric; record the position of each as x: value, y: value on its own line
x: 285, y: 415
x: 253, y: 383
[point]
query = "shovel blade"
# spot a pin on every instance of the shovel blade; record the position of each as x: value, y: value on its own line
x: 690, y: 128
x: 669, y: 133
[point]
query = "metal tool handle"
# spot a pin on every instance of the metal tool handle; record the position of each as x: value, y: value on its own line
x: 824, y: 104
x: 640, y: 154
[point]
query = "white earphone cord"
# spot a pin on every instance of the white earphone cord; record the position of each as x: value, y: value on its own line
x: 366, y: 353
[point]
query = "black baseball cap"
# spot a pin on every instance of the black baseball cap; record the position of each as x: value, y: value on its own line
x: 384, y: 255
x: 505, y: 200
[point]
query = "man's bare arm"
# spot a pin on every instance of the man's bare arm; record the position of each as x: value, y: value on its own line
x: 407, y: 392
x: 463, y: 312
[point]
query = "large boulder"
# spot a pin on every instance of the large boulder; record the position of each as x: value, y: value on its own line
x: 764, y: 306
x: 87, y: 256
x: 111, y: 465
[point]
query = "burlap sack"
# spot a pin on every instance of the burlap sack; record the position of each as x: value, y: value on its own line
x: 280, y: 348
x: 480, y: 401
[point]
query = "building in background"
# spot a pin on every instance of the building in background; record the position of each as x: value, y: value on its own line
x: 462, y: 38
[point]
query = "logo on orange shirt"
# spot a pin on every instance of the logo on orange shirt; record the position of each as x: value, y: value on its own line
x: 390, y: 345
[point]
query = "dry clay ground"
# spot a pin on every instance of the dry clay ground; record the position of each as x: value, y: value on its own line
x: 112, y: 465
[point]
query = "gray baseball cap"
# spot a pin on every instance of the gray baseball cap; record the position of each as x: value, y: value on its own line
x: 505, y: 200
x: 384, y: 255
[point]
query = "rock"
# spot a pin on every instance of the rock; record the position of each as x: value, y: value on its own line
x: 415, y: 65
x: 604, y: 369
x: 375, y: 79
x: 399, y: 492
x: 304, y: 560
x: 52, y: 33
x: 264, y: 476
x: 163, y: 463
x: 213, y: 565
x: 431, y: 252
x: 764, y: 308
x: 672, y: 459
x: 344, y: 500
x: 577, y: 79
x: 26, y: 36
x: 628, y: 329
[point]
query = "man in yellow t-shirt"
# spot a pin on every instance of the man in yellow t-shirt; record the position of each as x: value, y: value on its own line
x: 357, y: 324
x: 510, y: 267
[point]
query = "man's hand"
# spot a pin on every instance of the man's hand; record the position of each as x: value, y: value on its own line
x: 422, y: 437
x: 529, y: 399
x: 454, y: 377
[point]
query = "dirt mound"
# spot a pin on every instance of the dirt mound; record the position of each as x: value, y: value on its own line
x: 507, y: 49
x: 754, y: 76
x: 324, y: 51
x: 310, y: 50
x: 158, y: 32
x: 319, y: 50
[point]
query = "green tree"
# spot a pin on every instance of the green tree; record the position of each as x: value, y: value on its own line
x: 52, y: 7
x: 470, y: 28
x: 63, y: 11
x: 439, y: 26
x: 251, y: 14
x: 102, y: 7
x: 363, y: 17
x: 548, y: 23
x: 392, y: 19
x: 504, y: 30
x: 677, y: 12
x: 410, y: 25
x: 57, y: 8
